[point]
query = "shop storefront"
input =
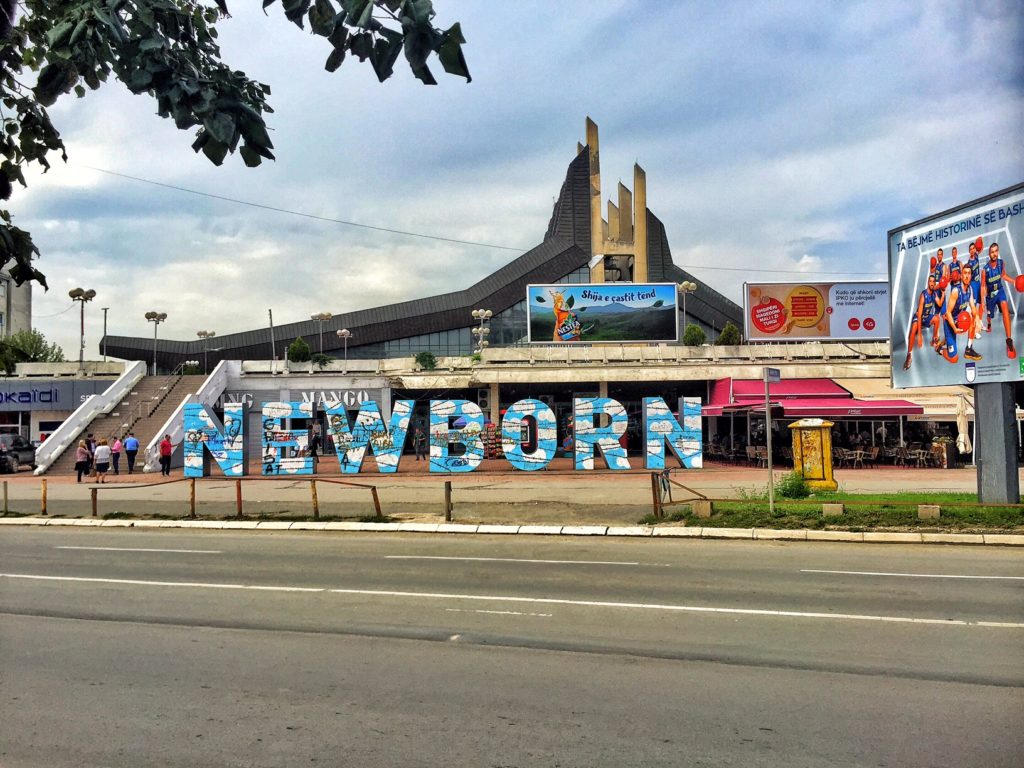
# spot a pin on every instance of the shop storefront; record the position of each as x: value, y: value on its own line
x: 35, y: 407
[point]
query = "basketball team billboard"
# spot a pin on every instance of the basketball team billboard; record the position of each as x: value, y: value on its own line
x: 957, y: 279
x: 596, y: 312
x: 816, y: 311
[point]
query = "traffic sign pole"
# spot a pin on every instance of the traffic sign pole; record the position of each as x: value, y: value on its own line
x: 770, y: 375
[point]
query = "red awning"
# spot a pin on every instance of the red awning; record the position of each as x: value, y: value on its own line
x: 797, y: 398
x: 838, y: 407
x: 753, y: 389
x: 725, y: 410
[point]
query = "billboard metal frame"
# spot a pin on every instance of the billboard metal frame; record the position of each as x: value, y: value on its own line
x: 920, y: 223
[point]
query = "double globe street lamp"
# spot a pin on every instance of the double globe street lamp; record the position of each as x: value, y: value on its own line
x: 481, y: 332
x: 155, y: 318
x: 345, y: 334
x: 82, y: 295
x: 321, y: 318
x: 206, y: 336
x: 685, y: 287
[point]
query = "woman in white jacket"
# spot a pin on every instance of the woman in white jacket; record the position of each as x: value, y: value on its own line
x: 102, y: 459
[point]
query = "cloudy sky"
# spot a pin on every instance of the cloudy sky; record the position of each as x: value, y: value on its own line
x: 781, y: 140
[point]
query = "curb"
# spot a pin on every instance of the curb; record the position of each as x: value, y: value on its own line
x: 642, y: 531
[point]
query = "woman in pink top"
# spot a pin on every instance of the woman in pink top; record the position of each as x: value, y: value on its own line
x: 82, y: 457
x: 115, y: 454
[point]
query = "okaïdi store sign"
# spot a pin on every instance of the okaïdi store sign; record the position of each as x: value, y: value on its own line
x: 452, y: 423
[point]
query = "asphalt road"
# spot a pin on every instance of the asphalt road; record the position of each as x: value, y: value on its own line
x: 133, y: 648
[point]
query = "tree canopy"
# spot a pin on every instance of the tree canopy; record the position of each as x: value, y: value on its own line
x: 28, y: 346
x: 730, y: 335
x: 168, y: 49
x: 298, y: 351
x: 694, y: 336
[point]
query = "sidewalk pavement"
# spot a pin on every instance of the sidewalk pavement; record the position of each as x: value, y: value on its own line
x: 493, y: 495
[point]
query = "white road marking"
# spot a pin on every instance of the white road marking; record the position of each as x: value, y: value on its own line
x: 500, y: 613
x: 507, y: 560
x: 142, y: 583
x: 139, y: 549
x: 680, y: 608
x: 539, y: 601
x: 913, y: 575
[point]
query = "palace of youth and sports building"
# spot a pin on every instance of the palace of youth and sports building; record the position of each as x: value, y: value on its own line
x: 587, y: 241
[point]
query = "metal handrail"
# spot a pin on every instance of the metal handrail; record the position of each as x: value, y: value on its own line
x: 207, y: 394
x: 95, y: 405
x: 136, y: 414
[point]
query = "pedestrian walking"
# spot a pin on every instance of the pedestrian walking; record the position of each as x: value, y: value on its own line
x: 131, y: 450
x: 102, y: 457
x: 166, y: 449
x: 115, y: 454
x: 419, y: 444
x: 90, y: 443
x: 82, y: 459
x: 314, y: 447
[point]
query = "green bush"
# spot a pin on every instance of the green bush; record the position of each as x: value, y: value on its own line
x: 792, y: 486
x: 694, y: 336
x: 298, y: 351
x: 426, y: 361
x: 320, y: 360
x: 730, y: 335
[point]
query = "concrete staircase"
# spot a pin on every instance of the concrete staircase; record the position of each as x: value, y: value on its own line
x: 144, y: 411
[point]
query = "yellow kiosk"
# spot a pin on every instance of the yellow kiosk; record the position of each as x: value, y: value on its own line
x: 812, y: 452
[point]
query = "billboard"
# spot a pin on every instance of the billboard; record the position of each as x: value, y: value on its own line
x: 596, y: 312
x: 819, y: 311
x: 956, y: 294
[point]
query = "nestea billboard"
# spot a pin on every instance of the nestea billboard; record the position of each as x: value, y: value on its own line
x: 596, y: 312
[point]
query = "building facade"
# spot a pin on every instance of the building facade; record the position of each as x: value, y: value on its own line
x: 15, y: 305
x: 581, y: 245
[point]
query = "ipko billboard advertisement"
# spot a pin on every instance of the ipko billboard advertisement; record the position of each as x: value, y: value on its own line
x: 595, y: 312
x: 957, y: 279
x: 824, y: 311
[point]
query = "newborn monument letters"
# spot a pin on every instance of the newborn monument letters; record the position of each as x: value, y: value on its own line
x: 285, y: 450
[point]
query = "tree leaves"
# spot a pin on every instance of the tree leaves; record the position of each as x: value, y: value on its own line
x: 450, y: 53
x: 30, y: 346
x: 168, y: 49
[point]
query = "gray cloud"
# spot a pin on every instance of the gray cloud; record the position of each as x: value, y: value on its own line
x: 775, y: 136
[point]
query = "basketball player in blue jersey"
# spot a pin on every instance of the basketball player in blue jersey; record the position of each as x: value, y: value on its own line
x: 994, y: 293
x: 961, y: 300
x: 928, y: 314
x: 975, y: 266
x: 954, y: 266
x: 940, y: 271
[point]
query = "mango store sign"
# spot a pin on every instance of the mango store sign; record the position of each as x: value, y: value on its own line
x: 285, y: 450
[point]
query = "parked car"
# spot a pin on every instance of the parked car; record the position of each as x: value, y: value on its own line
x: 15, y: 451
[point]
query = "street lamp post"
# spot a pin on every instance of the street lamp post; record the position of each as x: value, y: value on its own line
x: 155, y: 318
x: 345, y: 334
x: 686, y: 287
x: 481, y: 332
x: 321, y: 318
x: 105, y: 310
x: 82, y: 295
x: 206, y: 336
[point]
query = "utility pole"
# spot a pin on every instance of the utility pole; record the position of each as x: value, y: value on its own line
x: 105, y: 310
x: 770, y: 375
x: 273, y: 350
